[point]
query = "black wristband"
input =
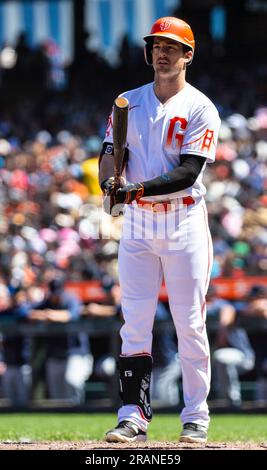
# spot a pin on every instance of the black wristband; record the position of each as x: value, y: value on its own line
x: 107, y: 148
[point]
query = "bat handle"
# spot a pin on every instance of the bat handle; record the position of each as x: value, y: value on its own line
x: 117, y: 181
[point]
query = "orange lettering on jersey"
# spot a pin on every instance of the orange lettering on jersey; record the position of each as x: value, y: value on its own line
x: 179, y: 136
x: 207, y: 140
x: 109, y: 125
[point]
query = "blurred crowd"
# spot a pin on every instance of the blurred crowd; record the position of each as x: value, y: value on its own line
x: 52, y: 122
x: 51, y: 128
x: 237, y: 196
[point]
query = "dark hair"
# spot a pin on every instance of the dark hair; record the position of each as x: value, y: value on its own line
x: 186, y: 48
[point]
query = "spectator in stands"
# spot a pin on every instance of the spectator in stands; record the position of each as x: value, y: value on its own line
x: 233, y: 354
x: 15, y: 360
x: 166, y: 369
x: 105, y: 363
x: 68, y: 357
x: 255, y: 311
x: 256, y: 306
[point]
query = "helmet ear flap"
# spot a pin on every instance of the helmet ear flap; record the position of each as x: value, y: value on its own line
x: 148, y: 52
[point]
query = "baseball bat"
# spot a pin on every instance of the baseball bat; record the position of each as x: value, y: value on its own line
x: 120, y: 122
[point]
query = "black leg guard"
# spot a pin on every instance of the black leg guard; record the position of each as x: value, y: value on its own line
x: 135, y: 375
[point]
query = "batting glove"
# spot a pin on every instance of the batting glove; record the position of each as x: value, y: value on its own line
x: 110, y: 205
x: 107, y: 186
x: 129, y: 193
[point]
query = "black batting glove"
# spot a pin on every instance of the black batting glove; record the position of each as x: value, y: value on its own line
x: 108, y: 185
x: 129, y: 193
x: 110, y: 205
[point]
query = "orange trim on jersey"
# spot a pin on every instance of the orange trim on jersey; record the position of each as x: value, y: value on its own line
x: 209, y: 263
x: 109, y: 125
x: 203, y: 308
x: 206, y: 340
x: 206, y: 286
x: 201, y: 137
x: 209, y: 248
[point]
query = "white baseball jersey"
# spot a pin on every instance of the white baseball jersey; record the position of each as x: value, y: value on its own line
x: 187, y: 124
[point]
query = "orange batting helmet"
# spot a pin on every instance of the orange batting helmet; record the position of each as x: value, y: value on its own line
x: 172, y: 28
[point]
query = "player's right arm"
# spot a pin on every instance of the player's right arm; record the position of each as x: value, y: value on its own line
x: 107, y: 181
x: 106, y: 164
x: 106, y: 160
x: 106, y: 167
x: 106, y: 171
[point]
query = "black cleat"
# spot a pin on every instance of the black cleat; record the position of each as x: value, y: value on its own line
x: 193, y: 432
x: 126, y: 431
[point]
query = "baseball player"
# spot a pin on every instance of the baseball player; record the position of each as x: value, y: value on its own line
x: 172, y: 134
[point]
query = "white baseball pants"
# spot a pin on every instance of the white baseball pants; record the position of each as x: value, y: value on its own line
x: 177, y: 246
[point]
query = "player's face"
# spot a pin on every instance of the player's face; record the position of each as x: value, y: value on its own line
x: 168, y: 56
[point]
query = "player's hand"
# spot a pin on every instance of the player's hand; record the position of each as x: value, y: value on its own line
x: 108, y: 185
x: 129, y: 193
x: 110, y: 205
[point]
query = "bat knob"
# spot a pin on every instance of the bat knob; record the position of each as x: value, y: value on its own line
x: 121, y: 102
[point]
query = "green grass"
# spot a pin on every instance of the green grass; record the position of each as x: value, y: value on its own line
x: 92, y: 426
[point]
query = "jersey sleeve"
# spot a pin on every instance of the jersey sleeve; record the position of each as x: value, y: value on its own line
x: 202, y: 133
x: 109, y: 129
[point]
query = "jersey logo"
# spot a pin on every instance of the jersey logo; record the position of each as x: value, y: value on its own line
x: 176, y: 131
x: 165, y: 24
x: 203, y: 143
x: 207, y: 140
x: 109, y: 149
x: 128, y: 373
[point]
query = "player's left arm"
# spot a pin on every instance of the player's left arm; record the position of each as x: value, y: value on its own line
x: 180, y: 178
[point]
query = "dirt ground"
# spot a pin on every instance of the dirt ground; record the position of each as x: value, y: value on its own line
x: 95, y: 445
